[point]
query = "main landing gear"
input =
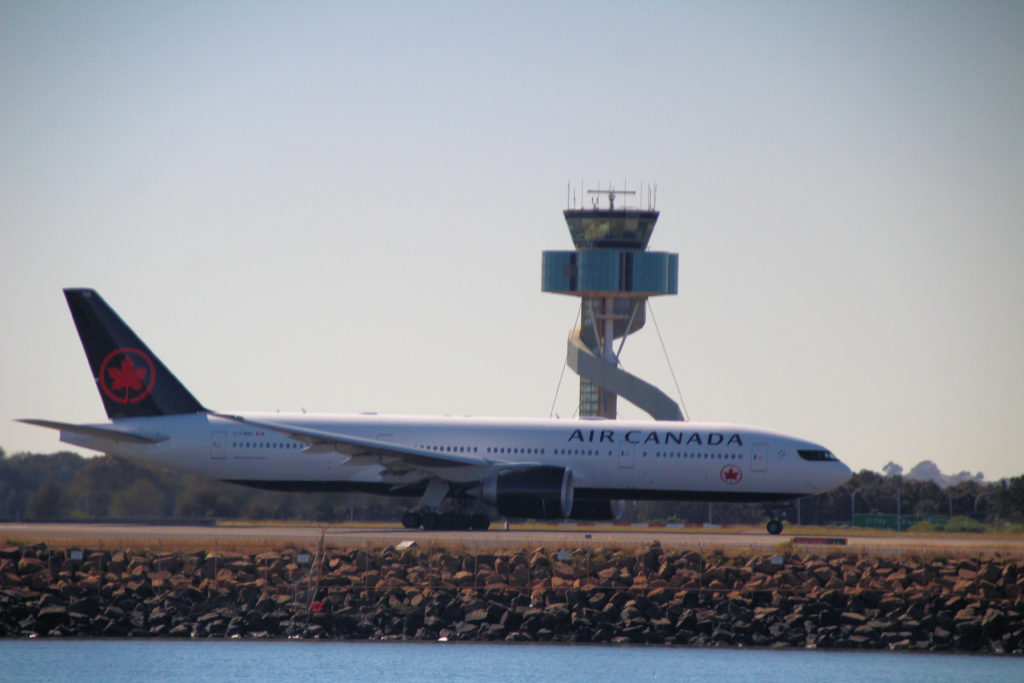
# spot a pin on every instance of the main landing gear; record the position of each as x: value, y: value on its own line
x: 435, y: 494
x: 445, y: 521
x: 774, y: 527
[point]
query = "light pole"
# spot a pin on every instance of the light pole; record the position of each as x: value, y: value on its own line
x: 853, y: 496
x: 899, y: 501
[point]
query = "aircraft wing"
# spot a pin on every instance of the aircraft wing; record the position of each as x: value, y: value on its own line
x: 367, y: 451
x: 95, y: 431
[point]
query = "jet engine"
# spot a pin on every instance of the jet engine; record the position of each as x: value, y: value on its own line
x: 542, y: 492
x: 597, y: 510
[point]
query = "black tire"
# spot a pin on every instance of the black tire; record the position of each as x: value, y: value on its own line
x: 431, y: 521
x: 412, y: 520
x: 775, y: 527
x: 479, y: 522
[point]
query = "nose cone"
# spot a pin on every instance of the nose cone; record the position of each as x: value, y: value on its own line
x: 824, y: 470
x: 842, y: 474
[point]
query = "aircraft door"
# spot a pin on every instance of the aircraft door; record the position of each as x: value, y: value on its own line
x: 760, y: 458
x: 627, y: 458
x: 218, y: 445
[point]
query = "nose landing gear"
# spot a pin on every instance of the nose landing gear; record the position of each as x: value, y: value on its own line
x: 776, y: 515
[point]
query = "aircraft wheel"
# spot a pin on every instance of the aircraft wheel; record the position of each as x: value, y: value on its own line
x: 431, y: 521
x: 412, y: 520
x: 480, y: 522
x: 775, y: 527
x: 460, y: 521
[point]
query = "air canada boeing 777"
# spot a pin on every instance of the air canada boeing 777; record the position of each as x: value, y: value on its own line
x: 458, y: 467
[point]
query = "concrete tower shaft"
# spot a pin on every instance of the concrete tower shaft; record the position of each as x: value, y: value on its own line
x: 613, y: 274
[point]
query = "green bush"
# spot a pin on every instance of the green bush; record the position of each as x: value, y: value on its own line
x: 965, y: 524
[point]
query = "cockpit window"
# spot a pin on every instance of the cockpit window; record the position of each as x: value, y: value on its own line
x: 816, y: 455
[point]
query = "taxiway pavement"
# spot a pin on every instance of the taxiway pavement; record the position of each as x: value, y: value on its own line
x: 129, y: 535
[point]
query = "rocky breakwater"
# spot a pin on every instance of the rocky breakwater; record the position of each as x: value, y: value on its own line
x: 593, y: 596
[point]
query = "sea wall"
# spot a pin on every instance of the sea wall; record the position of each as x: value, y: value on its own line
x: 829, y: 600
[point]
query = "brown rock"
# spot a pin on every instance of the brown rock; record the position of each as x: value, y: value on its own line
x: 824, y: 575
x: 989, y: 590
x: 564, y: 570
x: 520, y: 575
x: 117, y: 562
x: 464, y: 578
x: 30, y: 565
x: 558, y: 583
x: 502, y: 567
x: 853, y: 618
x: 661, y: 596
x: 9, y: 579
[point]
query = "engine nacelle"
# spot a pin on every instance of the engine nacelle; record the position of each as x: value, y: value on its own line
x: 597, y: 510
x: 542, y: 492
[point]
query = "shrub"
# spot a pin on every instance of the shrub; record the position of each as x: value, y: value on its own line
x: 965, y: 524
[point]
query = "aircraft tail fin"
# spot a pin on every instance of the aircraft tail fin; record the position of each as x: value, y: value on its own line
x: 130, y: 378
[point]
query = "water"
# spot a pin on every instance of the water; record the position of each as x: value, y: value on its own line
x: 164, y: 660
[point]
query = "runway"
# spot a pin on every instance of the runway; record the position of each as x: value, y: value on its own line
x: 254, y: 536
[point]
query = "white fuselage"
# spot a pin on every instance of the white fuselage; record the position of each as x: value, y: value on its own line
x: 616, y: 459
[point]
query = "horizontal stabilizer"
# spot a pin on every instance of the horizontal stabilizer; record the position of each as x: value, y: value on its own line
x: 108, y: 433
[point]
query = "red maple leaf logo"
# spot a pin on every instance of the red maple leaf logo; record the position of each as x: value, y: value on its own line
x: 126, y: 375
x: 731, y: 474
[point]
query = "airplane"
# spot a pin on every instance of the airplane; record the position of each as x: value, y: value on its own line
x: 458, y: 467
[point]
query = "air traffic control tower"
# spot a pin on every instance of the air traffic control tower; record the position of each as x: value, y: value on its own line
x: 613, y: 274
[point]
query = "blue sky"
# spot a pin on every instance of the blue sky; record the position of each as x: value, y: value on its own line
x: 342, y: 206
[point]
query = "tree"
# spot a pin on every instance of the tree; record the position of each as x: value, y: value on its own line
x: 1008, y: 501
x: 47, y: 502
x: 928, y: 471
x: 892, y: 470
x: 141, y: 499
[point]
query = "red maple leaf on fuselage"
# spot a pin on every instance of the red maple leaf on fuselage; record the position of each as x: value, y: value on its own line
x: 730, y: 474
x: 127, y: 376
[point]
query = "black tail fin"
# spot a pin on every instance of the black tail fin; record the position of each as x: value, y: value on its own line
x: 131, y: 380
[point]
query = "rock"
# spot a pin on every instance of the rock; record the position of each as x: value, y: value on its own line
x: 994, y: 623
x: 476, y: 616
x: 30, y: 565
x: 836, y: 602
x: 520, y: 576
x: 50, y: 617
x: 853, y: 618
